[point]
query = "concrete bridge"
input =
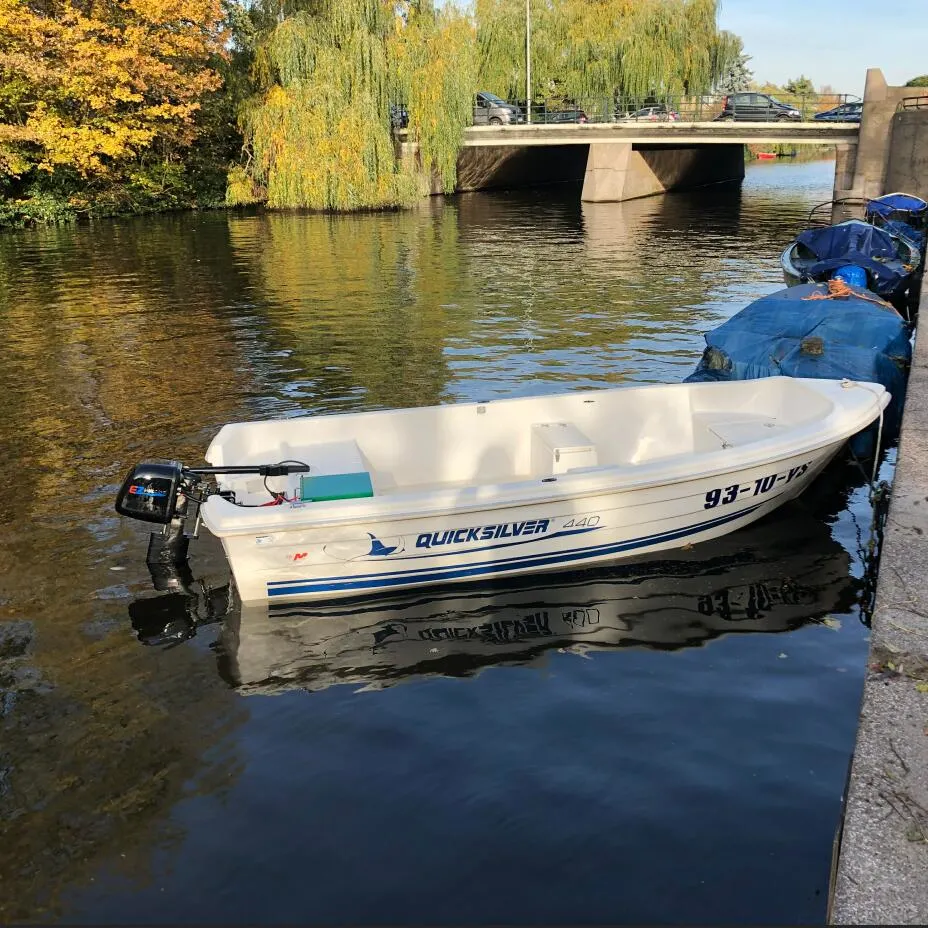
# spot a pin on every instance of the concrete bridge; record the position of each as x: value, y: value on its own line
x: 618, y: 161
x: 664, y: 133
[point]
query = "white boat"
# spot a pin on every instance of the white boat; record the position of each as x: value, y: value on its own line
x: 413, y: 497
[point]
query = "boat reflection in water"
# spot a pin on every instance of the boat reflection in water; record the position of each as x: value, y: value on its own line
x: 785, y: 572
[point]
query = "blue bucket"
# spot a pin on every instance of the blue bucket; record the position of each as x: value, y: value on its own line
x: 852, y: 274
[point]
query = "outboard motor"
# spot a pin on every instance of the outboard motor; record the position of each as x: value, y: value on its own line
x: 159, y: 491
x: 150, y: 491
x: 156, y: 491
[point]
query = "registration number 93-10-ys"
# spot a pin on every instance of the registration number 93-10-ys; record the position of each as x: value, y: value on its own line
x: 723, y: 495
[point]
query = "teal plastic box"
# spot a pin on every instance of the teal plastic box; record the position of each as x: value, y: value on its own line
x: 326, y: 487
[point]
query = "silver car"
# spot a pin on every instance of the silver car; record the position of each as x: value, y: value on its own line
x: 490, y: 110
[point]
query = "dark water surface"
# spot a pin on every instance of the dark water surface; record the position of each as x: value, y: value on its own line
x: 654, y: 743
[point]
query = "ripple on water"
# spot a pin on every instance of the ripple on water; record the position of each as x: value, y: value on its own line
x: 676, y: 769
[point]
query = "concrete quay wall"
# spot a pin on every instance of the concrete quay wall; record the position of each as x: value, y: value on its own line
x: 907, y: 169
x: 881, y: 875
x: 864, y: 170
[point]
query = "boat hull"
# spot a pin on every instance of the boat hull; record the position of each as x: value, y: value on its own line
x: 791, y: 276
x: 771, y: 578
x: 327, y: 563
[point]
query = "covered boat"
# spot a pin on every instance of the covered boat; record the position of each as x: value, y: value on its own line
x: 890, y: 262
x: 338, y: 505
x: 813, y: 330
x: 902, y: 215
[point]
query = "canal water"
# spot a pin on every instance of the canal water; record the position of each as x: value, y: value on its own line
x: 661, y: 742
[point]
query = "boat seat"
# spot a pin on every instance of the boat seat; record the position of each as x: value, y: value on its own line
x: 733, y: 432
x: 331, y: 457
x: 558, y: 447
x: 334, y: 459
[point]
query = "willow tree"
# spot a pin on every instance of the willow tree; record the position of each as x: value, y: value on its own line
x: 501, y: 47
x: 602, y: 49
x: 668, y: 47
x: 433, y: 54
x: 318, y: 129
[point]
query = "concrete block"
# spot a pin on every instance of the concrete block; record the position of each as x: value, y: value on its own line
x: 882, y: 869
x: 900, y: 617
x: 907, y: 167
x: 881, y: 877
x: 915, y: 414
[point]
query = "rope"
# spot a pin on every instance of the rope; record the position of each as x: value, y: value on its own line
x: 876, y: 455
x: 878, y: 497
x: 879, y: 437
x: 839, y: 290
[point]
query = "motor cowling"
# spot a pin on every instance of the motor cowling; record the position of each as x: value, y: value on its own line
x: 150, y: 491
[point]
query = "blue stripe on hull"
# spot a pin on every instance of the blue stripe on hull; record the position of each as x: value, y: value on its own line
x: 426, y: 575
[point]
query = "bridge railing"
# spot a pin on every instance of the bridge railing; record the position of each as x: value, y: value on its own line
x: 702, y: 108
x: 913, y: 103
x: 655, y: 108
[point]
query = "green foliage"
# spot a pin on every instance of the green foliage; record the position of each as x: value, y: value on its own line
x: 800, y: 86
x: 918, y: 81
x: 35, y: 204
x: 318, y: 126
x: 732, y: 64
x: 603, y: 49
x: 435, y: 66
x: 501, y: 47
x: 169, y: 173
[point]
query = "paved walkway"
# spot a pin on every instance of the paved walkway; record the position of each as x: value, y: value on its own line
x: 882, y: 872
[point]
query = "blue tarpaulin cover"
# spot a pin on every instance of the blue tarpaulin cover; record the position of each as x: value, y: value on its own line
x: 787, y: 333
x: 903, y: 230
x: 845, y: 237
x: 853, y: 242
x: 891, y: 203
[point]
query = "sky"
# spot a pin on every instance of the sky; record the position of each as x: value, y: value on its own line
x: 831, y: 41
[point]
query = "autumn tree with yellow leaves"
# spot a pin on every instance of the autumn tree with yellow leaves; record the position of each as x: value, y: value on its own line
x: 94, y: 92
x: 110, y: 106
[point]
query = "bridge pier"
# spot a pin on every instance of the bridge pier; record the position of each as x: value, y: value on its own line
x: 618, y: 171
x: 607, y: 167
x: 907, y: 168
x: 845, y: 165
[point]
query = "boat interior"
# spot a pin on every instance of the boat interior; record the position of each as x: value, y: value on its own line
x: 504, y: 441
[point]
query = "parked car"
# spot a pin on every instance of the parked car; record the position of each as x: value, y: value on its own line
x: 567, y: 114
x: 656, y: 113
x: 490, y: 110
x: 756, y: 107
x: 399, y: 116
x: 846, y: 112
